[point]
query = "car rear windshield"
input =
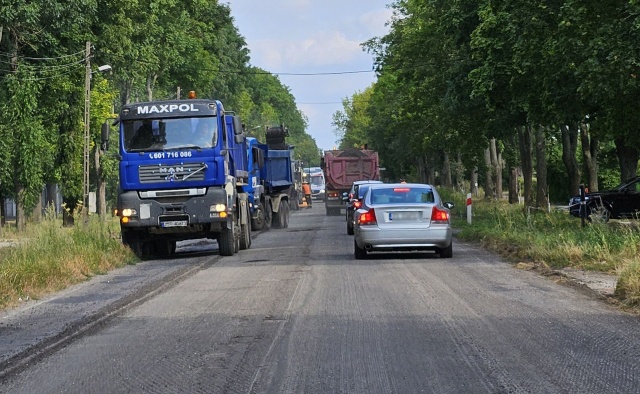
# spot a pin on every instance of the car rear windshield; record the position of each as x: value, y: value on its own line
x: 402, y: 195
x: 362, y: 190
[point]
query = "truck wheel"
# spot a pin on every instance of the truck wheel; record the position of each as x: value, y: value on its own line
x: 164, y: 249
x: 280, y: 218
x: 226, y: 240
x: 245, y: 234
x: 268, y: 216
x: 286, y: 215
x: 135, y: 242
x: 257, y: 224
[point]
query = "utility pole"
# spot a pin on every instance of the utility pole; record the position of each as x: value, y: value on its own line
x: 87, y: 133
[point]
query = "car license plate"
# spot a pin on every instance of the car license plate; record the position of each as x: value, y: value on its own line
x: 174, y: 223
x: 402, y: 216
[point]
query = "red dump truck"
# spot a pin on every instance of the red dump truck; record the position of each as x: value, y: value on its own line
x: 343, y: 167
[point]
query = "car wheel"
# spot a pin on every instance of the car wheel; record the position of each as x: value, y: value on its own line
x: 598, y: 213
x: 447, y: 252
x: 358, y: 252
x: 349, y: 228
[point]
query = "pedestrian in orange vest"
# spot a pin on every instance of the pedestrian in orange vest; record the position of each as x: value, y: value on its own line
x: 306, y: 189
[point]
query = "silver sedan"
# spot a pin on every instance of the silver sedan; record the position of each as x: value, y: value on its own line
x: 403, y: 217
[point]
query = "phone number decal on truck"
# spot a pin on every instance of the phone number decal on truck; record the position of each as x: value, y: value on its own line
x: 170, y: 155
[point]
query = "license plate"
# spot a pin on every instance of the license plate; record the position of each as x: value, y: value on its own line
x: 174, y: 223
x: 402, y: 216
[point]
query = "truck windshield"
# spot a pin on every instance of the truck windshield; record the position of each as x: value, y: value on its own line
x: 317, y: 180
x: 166, y: 134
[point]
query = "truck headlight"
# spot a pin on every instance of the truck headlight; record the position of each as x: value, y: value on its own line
x: 218, y: 208
x: 218, y: 211
x: 128, y: 212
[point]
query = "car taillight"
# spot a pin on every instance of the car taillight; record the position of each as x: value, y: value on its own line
x: 439, y: 215
x: 357, y: 204
x: 367, y: 218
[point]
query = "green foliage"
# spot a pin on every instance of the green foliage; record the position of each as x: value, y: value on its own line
x: 35, y: 267
x: 153, y: 46
x: 555, y: 240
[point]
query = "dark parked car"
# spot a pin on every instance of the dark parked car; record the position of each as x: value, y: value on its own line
x: 354, y: 201
x: 621, y: 202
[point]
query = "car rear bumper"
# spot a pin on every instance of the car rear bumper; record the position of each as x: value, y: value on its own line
x: 375, y: 239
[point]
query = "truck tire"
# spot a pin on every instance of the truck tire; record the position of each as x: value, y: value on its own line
x: 226, y: 240
x: 268, y: 215
x: 280, y: 217
x: 287, y: 214
x: 134, y: 241
x: 245, y: 233
x: 164, y: 248
x: 257, y: 223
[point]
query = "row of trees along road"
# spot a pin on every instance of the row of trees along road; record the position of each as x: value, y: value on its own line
x: 466, y: 88
x: 154, y: 47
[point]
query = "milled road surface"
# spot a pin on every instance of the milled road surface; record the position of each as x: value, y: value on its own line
x: 297, y: 314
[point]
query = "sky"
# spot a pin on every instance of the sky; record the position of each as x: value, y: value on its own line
x: 314, y: 36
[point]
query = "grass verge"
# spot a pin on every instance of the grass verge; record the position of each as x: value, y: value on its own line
x: 554, y: 240
x: 49, y: 257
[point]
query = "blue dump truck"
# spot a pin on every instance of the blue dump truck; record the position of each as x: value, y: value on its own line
x: 183, y: 171
x: 271, y: 186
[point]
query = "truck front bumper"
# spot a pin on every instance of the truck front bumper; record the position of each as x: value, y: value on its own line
x: 170, y: 212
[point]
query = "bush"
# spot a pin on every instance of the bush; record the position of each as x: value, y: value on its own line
x: 50, y: 257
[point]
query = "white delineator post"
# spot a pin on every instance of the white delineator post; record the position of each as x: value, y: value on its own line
x: 469, y: 208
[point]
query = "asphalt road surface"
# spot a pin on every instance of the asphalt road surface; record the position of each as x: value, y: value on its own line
x: 297, y: 313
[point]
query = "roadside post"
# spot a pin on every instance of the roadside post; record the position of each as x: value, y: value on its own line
x: 469, y: 208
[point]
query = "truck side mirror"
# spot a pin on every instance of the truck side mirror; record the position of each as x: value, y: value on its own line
x: 104, y: 137
x: 238, y: 127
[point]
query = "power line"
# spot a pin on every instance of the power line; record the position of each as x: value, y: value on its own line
x: 42, y: 58
x: 307, y: 74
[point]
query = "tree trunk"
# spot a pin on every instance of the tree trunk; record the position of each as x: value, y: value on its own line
x: 526, y: 159
x: 628, y: 157
x: 52, y: 196
x: 422, y: 171
x: 21, y: 220
x: 542, y: 189
x: 474, y: 181
x: 446, y: 172
x: 569, y: 148
x: 459, y: 173
x: 513, y: 185
x: 36, y: 213
x: 489, y: 191
x: 151, y: 82
x: 431, y: 170
x: 497, y: 168
x: 2, y: 212
x: 590, y: 156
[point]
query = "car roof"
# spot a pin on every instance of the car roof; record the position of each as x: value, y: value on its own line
x: 366, y: 181
x: 394, y: 185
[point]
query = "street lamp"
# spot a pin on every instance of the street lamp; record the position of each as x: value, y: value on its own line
x: 87, y: 133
